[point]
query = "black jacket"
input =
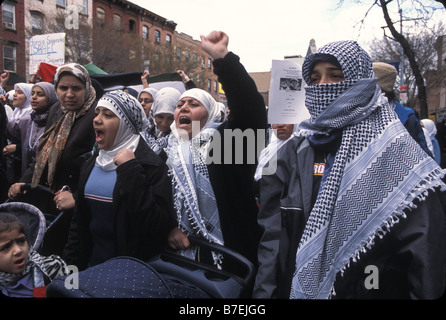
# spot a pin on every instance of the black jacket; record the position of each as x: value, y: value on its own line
x: 142, y: 209
x: 233, y: 183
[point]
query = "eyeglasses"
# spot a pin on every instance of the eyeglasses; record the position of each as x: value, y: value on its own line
x: 146, y: 100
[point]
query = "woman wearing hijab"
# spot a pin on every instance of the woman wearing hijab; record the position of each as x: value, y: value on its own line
x: 124, y: 204
x: 214, y: 195
x: 146, y: 97
x: 60, y: 149
x: 31, y: 127
x: 364, y: 229
x: 62, y: 146
x: 22, y: 107
x: 431, y: 129
x: 161, y: 118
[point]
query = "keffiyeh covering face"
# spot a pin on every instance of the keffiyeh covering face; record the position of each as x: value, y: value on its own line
x: 377, y: 172
x: 194, y: 198
x: 53, y: 142
x: 133, y: 120
x: 165, y: 102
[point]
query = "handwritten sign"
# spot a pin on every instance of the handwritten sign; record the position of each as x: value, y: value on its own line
x: 49, y: 48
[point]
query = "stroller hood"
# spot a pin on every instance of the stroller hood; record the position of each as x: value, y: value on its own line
x: 32, y: 218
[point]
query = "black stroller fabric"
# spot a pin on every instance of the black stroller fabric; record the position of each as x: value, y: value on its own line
x: 122, y: 277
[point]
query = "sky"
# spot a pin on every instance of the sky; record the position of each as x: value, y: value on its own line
x: 264, y: 30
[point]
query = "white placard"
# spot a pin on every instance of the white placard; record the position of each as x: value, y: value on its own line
x: 286, y: 93
x: 48, y: 48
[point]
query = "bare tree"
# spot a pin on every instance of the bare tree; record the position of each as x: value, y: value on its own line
x: 422, y: 11
x: 116, y: 51
x: 423, y: 44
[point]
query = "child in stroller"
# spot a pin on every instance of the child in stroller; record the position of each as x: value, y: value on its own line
x: 23, y: 271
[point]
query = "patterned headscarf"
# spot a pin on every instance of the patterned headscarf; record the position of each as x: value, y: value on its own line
x: 376, y: 173
x: 133, y: 121
x: 53, y: 142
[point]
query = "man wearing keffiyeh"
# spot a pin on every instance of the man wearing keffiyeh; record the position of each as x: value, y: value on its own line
x: 377, y: 204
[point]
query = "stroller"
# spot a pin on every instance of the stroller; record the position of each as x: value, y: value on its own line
x: 57, y: 222
x: 169, y: 275
x: 32, y: 218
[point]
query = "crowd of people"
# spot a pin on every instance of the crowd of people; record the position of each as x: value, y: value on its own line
x: 355, y: 185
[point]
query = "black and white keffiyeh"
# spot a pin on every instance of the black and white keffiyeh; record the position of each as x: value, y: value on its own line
x: 194, y: 198
x: 378, y: 171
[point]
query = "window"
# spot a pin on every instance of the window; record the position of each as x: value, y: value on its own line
x: 209, y: 63
x: 37, y: 23
x: 132, y: 25
x: 215, y: 86
x: 117, y: 21
x: 145, y: 32
x: 209, y: 85
x: 168, y: 39
x: 178, y: 54
x: 9, y: 58
x: 186, y: 55
x: 202, y: 62
x: 62, y: 3
x: 8, y: 15
x: 100, y: 15
x: 157, y: 36
x: 83, y: 7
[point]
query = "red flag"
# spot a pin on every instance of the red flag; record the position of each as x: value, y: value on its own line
x: 46, y: 72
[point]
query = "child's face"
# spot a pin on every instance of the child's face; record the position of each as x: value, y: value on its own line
x: 13, y: 251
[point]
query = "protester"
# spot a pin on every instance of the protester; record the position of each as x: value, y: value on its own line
x: 22, y: 107
x: 146, y: 97
x: 161, y: 118
x: 22, y: 268
x: 377, y: 205
x: 61, y: 148
x: 124, y: 204
x: 215, y: 197
x: 282, y: 133
x: 29, y: 128
x: 431, y: 129
x: 188, y: 83
x: 386, y: 74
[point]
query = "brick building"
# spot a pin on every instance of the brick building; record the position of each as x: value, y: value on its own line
x: 12, y: 39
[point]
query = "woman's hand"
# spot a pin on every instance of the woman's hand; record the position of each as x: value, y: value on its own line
x: 123, y: 156
x: 9, y: 149
x: 215, y: 44
x: 15, y: 190
x: 64, y: 200
x: 178, y: 240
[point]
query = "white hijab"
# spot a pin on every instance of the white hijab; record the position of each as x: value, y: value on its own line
x: 26, y: 108
x: 208, y: 102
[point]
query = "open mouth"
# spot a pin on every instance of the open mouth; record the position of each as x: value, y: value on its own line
x: 99, y: 135
x: 184, y: 120
x: 20, y: 262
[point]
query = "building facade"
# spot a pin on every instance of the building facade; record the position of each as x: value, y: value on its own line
x: 12, y: 39
x: 137, y: 38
